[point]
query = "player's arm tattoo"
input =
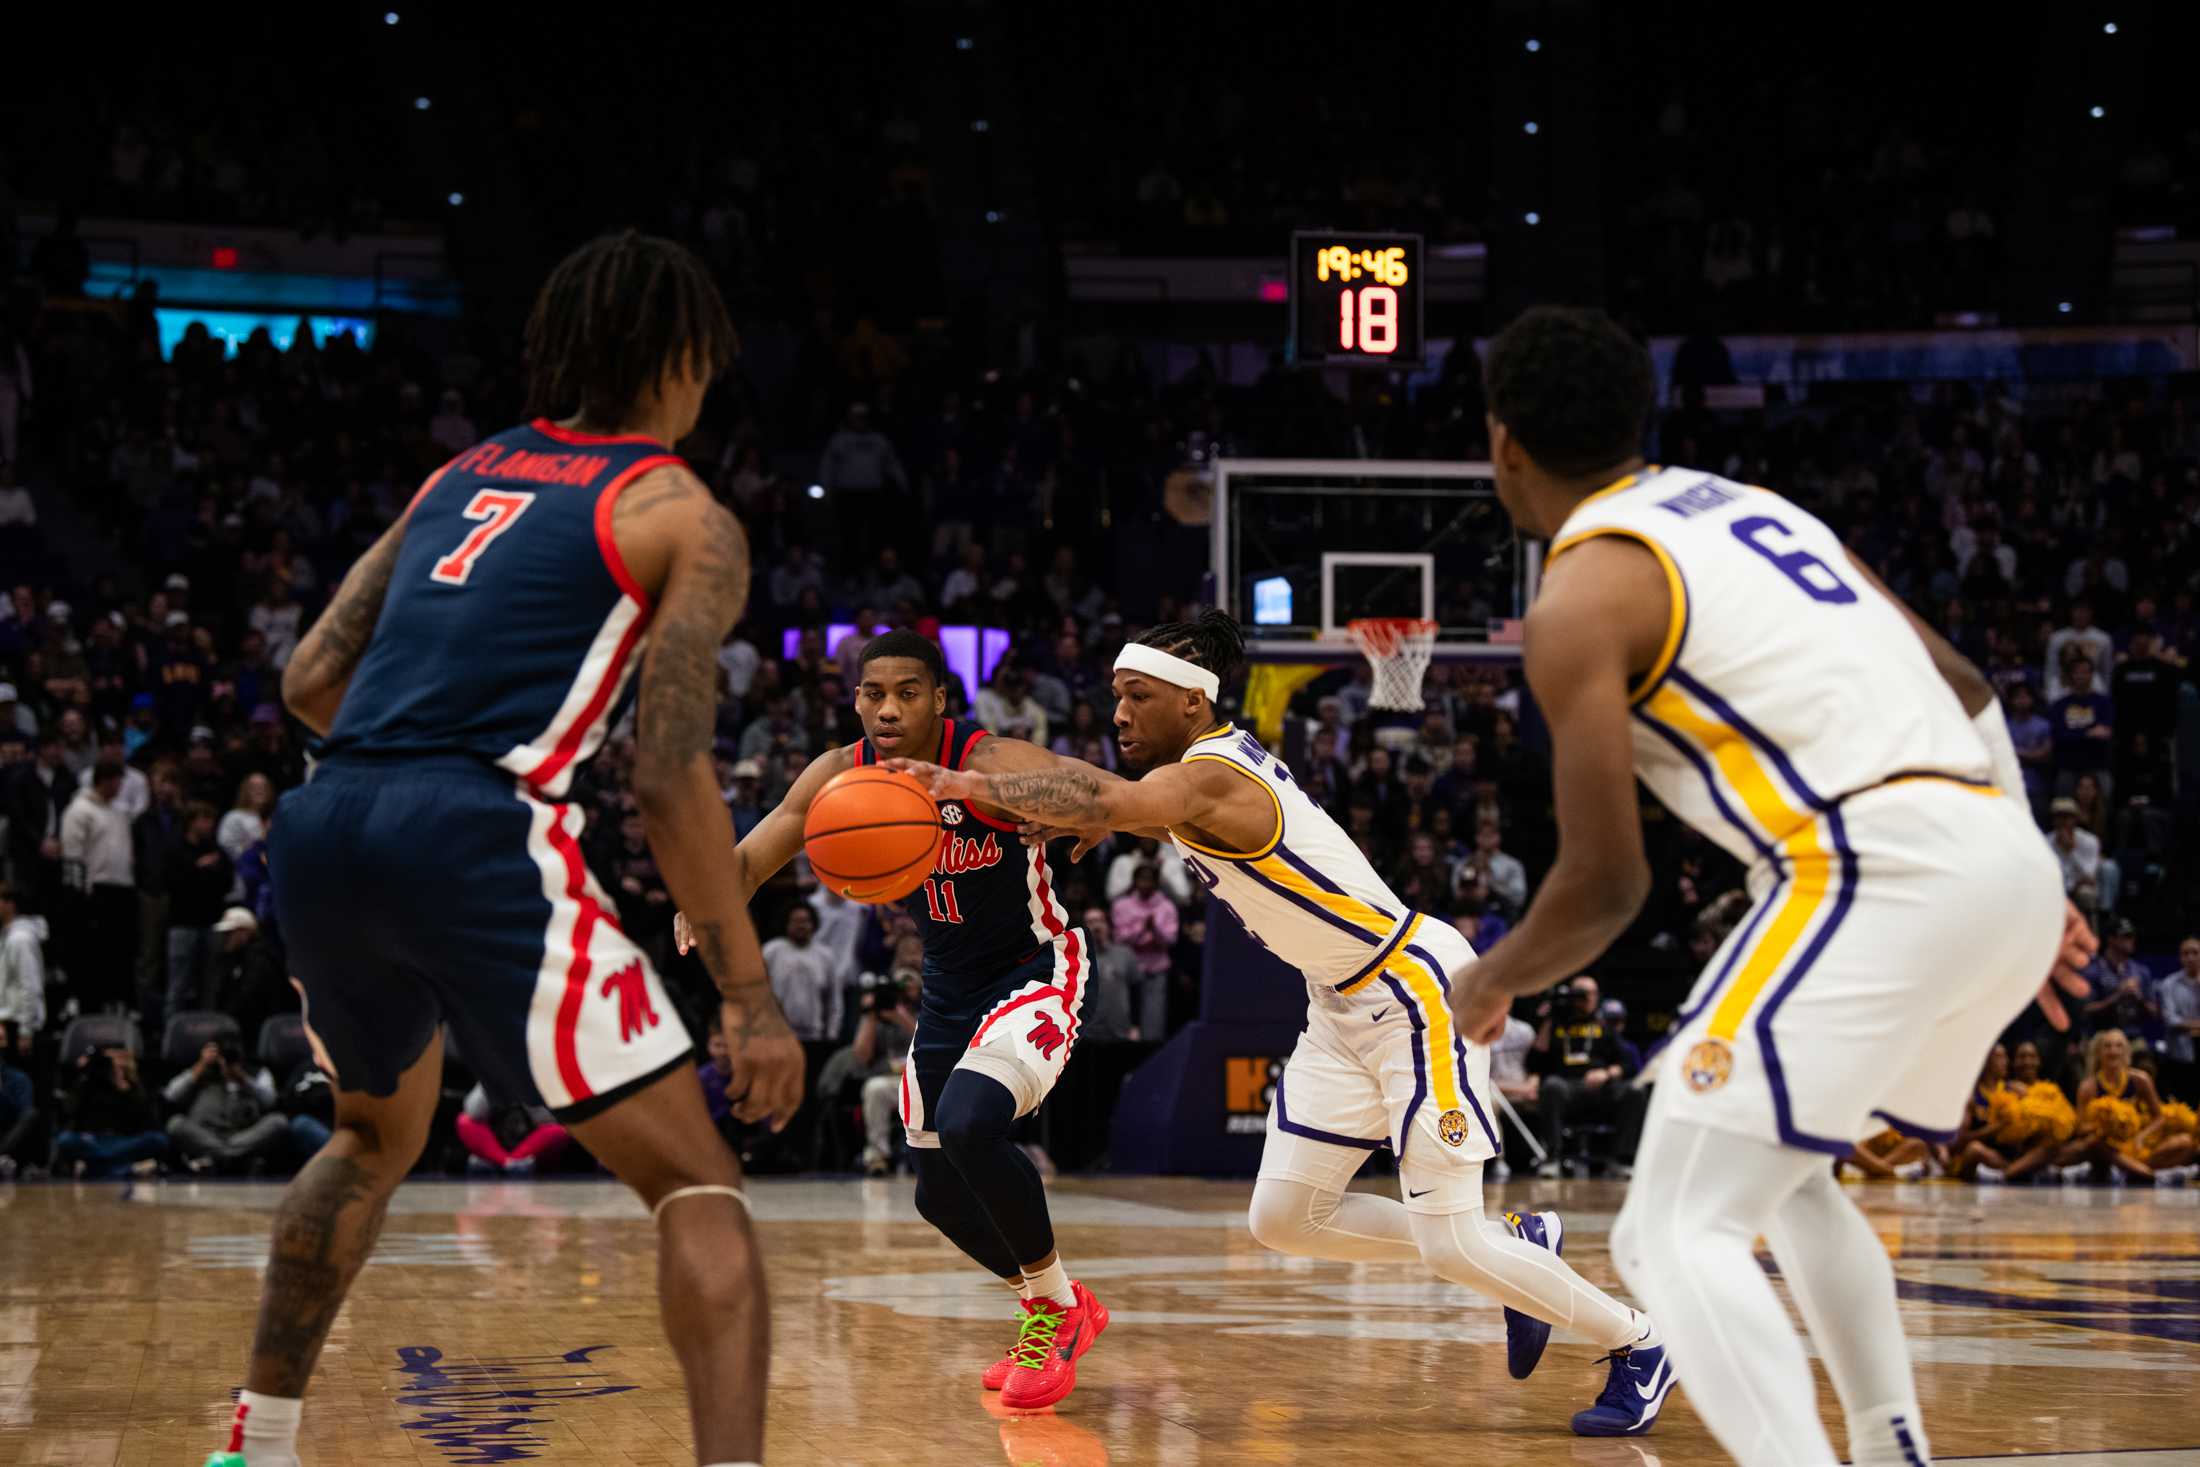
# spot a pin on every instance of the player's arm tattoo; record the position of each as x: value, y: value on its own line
x: 679, y: 707
x: 328, y: 1222
x: 325, y: 659
x: 1066, y: 796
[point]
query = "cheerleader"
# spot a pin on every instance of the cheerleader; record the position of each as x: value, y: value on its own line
x: 2115, y: 1104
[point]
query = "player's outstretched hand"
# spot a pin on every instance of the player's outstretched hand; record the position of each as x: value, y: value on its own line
x: 683, y: 933
x: 2078, y: 947
x: 1038, y: 833
x: 765, y: 1066
x: 1477, y: 1009
x: 942, y: 784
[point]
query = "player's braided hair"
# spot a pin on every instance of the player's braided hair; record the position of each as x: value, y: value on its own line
x: 612, y: 317
x: 1214, y: 642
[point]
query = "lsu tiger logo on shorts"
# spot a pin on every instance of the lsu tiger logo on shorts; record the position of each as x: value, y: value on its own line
x: 1709, y: 1065
x: 1452, y: 1127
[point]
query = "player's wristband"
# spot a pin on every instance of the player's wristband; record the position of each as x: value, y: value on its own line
x: 2001, y: 750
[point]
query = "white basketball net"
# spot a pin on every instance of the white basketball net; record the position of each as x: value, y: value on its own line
x: 1398, y: 650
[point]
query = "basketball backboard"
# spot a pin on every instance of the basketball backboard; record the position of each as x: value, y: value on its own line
x: 1301, y: 547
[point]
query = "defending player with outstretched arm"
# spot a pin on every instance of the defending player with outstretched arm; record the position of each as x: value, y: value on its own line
x: 1380, y: 1062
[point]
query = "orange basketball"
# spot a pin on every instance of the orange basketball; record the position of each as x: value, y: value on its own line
x: 872, y: 834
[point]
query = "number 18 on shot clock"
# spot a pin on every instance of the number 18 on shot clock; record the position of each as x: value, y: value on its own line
x: 1355, y: 299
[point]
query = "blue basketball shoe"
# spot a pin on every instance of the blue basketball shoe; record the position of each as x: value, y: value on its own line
x: 1640, y: 1380
x: 1525, y: 1336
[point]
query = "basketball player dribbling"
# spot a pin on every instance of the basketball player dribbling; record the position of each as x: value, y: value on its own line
x: 430, y: 872
x: 1004, y: 986
x: 1719, y: 642
x: 1380, y: 1063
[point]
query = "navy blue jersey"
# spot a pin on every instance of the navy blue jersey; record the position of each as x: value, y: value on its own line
x: 990, y: 901
x: 512, y: 629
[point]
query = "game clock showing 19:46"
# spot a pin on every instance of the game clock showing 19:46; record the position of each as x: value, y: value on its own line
x: 1356, y: 299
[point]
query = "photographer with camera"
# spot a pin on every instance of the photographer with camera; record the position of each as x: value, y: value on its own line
x: 229, y: 1117
x: 112, y: 1125
x: 1583, y: 1071
x: 880, y: 1051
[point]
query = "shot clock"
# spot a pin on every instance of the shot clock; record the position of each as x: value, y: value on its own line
x: 1356, y: 299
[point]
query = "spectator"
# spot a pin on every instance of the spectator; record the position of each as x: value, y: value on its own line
x: 247, y: 823
x: 2179, y: 998
x: 1613, y: 1013
x: 2034, y: 738
x: 111, y: 1124
x: 1176, y: 882
x: 802, y: 978
x: 2081, y: 638
x: 450, y: 429
x: 1145, y: 921
x: 881, y: 1053
x: 1510, y: 1074
x: 37, y: 794
x: 1582, y: 1069
x: 308, y: 1104
x: 795, y: 574
x: 509, y: 1138
x: 1423, y: 883
x: 185, y: 673
x: 1477, y: 915
x: 745, y: 801
x: 2145, y: 689
x: 78, y: 752
x: 966, y: 582
x: 135, y: 796
x: 1506, y: 878
x: 2123, y: 990
x: 1324, y: 776
x: 276, y: 616
x: 22, y: 968
x: 14, y: 717
x: 2088, y: 880
x: 1145, y: 992
x: 20, y: 1119
x: 774, y: 732
x: 858, y: 459
x: 198, y: 879
x: 2083, y: 720
x: 889, y: 584
x: 248, y: 981
x: 1007, y: 709
x: 228, y: 1114
x: 98, y: 864
x: 1112, y: 983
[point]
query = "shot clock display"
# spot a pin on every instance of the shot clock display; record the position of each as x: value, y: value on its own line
x: 1356, y: 299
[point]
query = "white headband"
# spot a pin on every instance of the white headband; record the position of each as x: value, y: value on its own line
x: 1167, y: 666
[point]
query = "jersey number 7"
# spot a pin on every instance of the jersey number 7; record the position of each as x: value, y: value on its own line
x: 499, y: 510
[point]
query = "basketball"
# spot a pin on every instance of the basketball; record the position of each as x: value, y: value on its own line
x: 872, y: 834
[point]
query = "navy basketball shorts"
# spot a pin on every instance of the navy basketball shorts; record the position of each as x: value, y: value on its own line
x: 416, y: 893
x: 1017, y: 1030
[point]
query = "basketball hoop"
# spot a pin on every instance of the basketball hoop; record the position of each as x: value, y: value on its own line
x: 1398, y: 649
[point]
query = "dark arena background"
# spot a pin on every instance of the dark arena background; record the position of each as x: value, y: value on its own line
x: 1058, y: 323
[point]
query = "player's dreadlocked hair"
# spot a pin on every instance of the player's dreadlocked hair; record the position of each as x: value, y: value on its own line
x: 612, y: 318
x: 1573, y: 387
x: 1215, y: 642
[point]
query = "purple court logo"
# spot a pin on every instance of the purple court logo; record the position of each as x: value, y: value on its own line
x: 482, y: 1411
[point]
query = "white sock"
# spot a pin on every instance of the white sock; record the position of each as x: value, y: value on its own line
x: 266, y: 1429
x: 1019, y: 1286
x: 1648, y: 1339
x: 1893, y: 1435
x: 1051, y: 1282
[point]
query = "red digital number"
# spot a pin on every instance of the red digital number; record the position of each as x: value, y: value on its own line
x: 499, y: 510
x: 1377, y: 309
x: 940, y: 897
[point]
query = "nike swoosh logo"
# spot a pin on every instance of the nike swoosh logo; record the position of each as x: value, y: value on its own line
x: 1422, y: 1193
x: 1380, y: 1012
x: 1069, y: 1346
x: 1656, y: 1383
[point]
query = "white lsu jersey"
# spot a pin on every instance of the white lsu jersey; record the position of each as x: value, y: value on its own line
x: 1786, y: 681
x: 1308, y: 895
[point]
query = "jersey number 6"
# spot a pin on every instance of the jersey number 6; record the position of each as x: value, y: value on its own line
x: 1800, y: 566
x: 499, y: 510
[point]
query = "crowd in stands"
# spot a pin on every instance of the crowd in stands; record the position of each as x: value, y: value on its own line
x: 2055, y: 537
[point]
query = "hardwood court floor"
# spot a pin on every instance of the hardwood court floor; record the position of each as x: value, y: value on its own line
x: 517, y: 1321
